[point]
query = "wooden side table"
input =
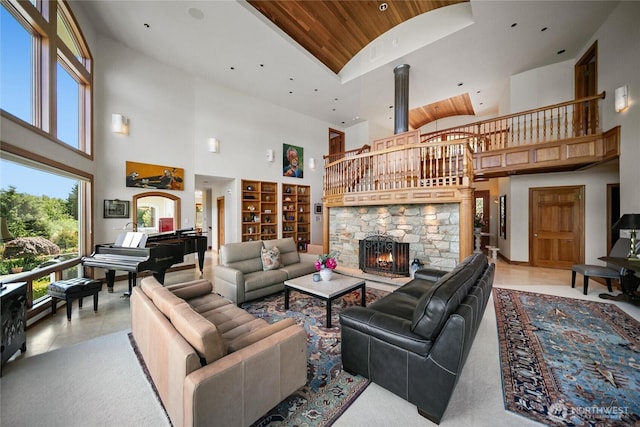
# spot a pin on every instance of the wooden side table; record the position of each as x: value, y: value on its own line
x: 13, y: 316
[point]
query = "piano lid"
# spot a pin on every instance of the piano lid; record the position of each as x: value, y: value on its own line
x: 131, y: 239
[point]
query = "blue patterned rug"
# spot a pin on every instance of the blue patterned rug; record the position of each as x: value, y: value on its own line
x: 329, y: 390
x: 568, y: 362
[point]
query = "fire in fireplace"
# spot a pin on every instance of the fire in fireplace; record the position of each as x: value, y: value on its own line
x: 381, y: 254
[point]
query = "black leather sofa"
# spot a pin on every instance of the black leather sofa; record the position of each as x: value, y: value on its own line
x: 415, y: 341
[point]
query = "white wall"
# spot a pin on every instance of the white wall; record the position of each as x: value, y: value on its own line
x: 171, y: 117
x: 542, y: 86
x: 619, y: 64
x: 158, y: 100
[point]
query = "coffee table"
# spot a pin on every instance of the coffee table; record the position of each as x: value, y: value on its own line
x: 337, y: 287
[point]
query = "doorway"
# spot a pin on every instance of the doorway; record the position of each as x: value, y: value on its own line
x: 483, y: 213
x: 220, y: 222
x: 586, y: 84
x: 556, y: 235
x: 613, y: 214
x: 336, y: 145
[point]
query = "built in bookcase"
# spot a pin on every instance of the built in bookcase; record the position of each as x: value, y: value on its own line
x: 259, y: 210
x: 296, y: 214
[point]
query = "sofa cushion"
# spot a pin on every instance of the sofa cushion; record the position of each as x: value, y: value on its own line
x: 243, y: 256
x: 148, y: 285
x: 262, y: 279
x: 191, y: 289
x: 270, y: 258
x: 261, y: 333
x: 439, y: 301
x: 288, y: 250
x: 199, y: 332
x: 164, y: 300
x: 299, y: 269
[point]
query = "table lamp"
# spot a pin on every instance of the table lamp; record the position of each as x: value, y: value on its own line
x: 629, y: 222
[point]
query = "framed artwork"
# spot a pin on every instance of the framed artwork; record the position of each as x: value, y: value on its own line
x: 292, y: 161
x: 503, y: 216
x: 143, y: 175
x: 317, y: 208
x: 116, y: 209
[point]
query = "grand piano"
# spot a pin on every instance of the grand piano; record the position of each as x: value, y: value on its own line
x: 136, y: 252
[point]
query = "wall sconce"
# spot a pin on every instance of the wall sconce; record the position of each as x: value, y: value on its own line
x: 621, y: 98
x: 213, y: 145
x: 312, y: 163
x: 270, y: 155
x: 119, y: 124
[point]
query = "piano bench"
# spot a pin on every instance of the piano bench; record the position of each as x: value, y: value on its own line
x: 71, y: 289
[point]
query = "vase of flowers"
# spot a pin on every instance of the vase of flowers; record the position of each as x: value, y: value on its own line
x: 325, y: 264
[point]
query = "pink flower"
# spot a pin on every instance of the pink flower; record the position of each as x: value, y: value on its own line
x: 326, y: 261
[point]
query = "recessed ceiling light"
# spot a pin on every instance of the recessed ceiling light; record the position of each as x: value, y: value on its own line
x: 382, y: 7
x: 561, y: 51
x: 195, y: 13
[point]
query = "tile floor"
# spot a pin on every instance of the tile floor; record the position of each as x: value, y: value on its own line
x: 113, y: 311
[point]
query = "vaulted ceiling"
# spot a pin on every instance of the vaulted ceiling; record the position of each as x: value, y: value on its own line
x: 333, y: 60
x: 335, y: 32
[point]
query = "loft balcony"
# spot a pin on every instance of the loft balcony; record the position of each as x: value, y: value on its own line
x: 441, y: 166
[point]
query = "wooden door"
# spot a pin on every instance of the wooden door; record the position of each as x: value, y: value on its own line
x: 586, y: 84
x: 556, y: 236
x: 220, y: 223
x: 336, y: 145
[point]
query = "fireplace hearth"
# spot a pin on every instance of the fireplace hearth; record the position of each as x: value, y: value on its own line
x: 381, y: 254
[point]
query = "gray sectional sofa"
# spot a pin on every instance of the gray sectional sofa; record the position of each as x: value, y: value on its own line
x: 241, y: 276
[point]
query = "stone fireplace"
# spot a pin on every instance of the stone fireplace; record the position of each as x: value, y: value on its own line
x: 432, y: 231
x: 381, y: 254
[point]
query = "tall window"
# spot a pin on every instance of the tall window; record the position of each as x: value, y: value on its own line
x: 41, y: 213
x: 16, y: 65
x: 27, y: 53
x: 69, y: 95
x: 46, y: 79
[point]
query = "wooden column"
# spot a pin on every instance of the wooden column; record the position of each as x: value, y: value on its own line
x: 325, y: 229
x: 466, y: 222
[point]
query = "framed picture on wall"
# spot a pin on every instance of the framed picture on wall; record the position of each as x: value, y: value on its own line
x: 116, y: 209
x: 317, y: 208
x: 292, y: 161
x: 503, y: 216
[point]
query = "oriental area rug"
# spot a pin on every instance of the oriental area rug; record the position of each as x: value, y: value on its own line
x: 568, y: 362
x: 329, y: 390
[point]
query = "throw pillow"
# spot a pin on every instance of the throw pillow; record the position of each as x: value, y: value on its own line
x: 271, y: 258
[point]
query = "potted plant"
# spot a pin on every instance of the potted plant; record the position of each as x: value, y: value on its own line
x: 325, y: 264
x: 16, y: 265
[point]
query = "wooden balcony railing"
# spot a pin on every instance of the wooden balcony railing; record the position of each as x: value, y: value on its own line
x: 566, y: 120
x: 556, y: 137
x: 416, y: 166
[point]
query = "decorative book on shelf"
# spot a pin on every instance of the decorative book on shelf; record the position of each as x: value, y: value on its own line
x: 296, y: 214
x: 259, y: 210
